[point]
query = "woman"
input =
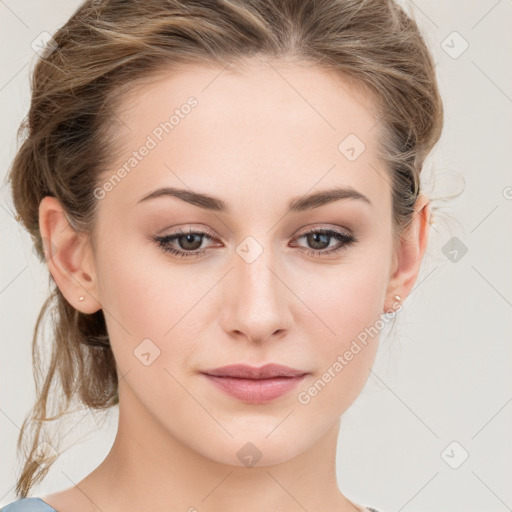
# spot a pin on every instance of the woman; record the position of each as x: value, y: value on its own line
x: 226, y: 194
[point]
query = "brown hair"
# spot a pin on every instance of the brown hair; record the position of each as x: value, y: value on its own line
x: 109, y: 47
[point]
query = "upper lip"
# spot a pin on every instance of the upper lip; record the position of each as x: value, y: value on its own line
x: 243, y: 371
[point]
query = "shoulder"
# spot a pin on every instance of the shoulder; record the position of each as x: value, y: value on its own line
x: 27, y: 505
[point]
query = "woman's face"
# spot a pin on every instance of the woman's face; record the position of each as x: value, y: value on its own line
x: 261, y: 289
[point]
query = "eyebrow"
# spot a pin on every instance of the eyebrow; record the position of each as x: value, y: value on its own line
x: 298, y: 204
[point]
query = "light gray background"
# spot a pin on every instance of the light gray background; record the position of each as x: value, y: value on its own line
x: 444, y: 376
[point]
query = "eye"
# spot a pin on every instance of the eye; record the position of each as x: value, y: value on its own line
x: 319, y: 239
x: 190, y: 242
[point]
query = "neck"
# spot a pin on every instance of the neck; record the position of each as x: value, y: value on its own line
x: 149, y: 469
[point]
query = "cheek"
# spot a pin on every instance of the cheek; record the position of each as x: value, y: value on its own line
x: 137, y: 288
x: 345, y: 300
x: 347, y: 307
x: 149, y: 304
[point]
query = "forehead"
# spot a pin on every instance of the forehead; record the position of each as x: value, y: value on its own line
x: 275, y: 126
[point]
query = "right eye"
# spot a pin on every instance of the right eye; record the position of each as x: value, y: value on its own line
x: 189, y: 243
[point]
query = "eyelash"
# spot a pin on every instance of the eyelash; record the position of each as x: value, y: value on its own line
x: 345, y: 238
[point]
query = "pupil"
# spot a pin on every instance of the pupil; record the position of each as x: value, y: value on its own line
x: 317, y: 237
x: 189, y: 238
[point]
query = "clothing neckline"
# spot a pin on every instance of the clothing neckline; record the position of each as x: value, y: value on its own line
x: 361, y: 508
x: 47, y: 504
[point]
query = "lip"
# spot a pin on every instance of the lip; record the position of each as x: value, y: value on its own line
x: 243, y: 371
x: 255, y: 385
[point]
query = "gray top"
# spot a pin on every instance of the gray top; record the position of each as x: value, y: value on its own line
x: 35, y: 504
x: 28, y: 505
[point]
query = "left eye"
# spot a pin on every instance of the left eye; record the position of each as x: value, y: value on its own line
x: 191, y: 241
x: 322, y: 237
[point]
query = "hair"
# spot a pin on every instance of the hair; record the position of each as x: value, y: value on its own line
x: 109, y: 48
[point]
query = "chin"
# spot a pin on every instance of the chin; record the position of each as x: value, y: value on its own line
x: 256, y: 449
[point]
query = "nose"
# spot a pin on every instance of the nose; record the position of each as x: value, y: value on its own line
x: 256, y: 299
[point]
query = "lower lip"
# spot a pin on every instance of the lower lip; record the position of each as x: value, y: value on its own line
x: 255, y: 391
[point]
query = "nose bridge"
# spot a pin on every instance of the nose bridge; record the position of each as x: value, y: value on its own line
x: 258, y: 307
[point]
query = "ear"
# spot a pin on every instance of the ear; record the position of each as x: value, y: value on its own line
x: 68, y: 256
x: 409, y: 254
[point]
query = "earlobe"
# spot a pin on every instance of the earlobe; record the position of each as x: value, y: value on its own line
x: 68, y: 257
x: 410, y: 252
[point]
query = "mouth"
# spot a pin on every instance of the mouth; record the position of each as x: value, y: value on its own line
x: 255, y: 385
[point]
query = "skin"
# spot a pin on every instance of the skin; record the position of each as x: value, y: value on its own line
x: 256, y: 139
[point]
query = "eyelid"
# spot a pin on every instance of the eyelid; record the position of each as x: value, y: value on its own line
x: 199, y: 228
x: 344, y: 236
x: 320, y: 226
x: 204, y: 229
